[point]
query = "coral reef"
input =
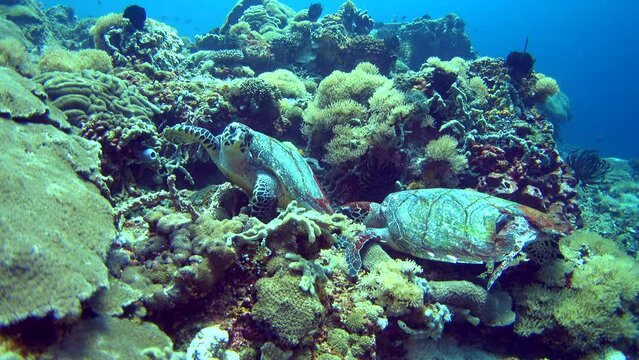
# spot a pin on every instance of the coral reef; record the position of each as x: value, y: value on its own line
x: 75, y: 61
x: 153, y: 49
x: 116, y: 337
x: 23, y: 100
x: 185, y: 264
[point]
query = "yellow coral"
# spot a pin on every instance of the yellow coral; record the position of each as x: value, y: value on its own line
x: 286, y: 82
x: 445, y: 150
x: 358, y: 85
x: 597, y: 307
x: 479, y: 90
x: 456, y: 65
x: 392, y: 285
x: 353, y: 112
x: 14, y: 55
x: 545, y: 87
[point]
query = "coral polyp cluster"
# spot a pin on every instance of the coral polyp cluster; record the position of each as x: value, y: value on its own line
x: 298, y: 185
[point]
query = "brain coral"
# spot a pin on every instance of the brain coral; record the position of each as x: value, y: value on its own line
x: 56, y: 228
x: 293, y: 314
x: 82, y: 94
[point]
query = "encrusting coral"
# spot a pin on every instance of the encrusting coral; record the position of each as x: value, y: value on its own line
x: 292, y: 313
x: 71, y: 215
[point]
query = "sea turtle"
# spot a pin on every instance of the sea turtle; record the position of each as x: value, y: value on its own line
x: 450, y: 225
x: 273, y: 172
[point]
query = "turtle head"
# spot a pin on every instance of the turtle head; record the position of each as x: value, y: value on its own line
x: 236, y: 138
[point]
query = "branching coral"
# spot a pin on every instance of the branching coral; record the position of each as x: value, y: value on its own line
x: 312, y: 224
x: 311, y: 271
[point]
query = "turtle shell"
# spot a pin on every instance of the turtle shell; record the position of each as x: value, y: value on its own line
x: 291, y: 170
x: 454, y: 225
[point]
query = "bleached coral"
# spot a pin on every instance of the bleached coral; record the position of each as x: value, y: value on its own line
x: 309, y: 222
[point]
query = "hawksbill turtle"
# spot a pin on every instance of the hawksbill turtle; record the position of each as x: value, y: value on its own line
x: 273, y: 172
x: 450, y: 225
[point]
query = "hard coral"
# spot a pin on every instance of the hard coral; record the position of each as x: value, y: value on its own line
x: 57, y: 261
x: 292, y: 314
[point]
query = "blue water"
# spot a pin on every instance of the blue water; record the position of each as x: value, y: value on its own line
x: 589, y: 46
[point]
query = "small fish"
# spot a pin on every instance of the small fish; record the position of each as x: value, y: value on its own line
x: 403, y: 18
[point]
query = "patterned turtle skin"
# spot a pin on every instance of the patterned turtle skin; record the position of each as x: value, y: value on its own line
x: 273, y: 172
x: 452, y: 225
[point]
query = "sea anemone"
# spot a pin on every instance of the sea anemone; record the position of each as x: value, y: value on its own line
x: 588, y: 166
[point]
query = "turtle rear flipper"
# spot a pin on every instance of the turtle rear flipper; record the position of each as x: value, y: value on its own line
x: 182, y: 134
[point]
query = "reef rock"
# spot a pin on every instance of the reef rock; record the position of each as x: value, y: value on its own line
x: 113, y: 338
x: 56, y: 228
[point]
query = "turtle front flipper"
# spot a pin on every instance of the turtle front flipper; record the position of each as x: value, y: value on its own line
x: 182, y: 134
x: 264, y: 197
